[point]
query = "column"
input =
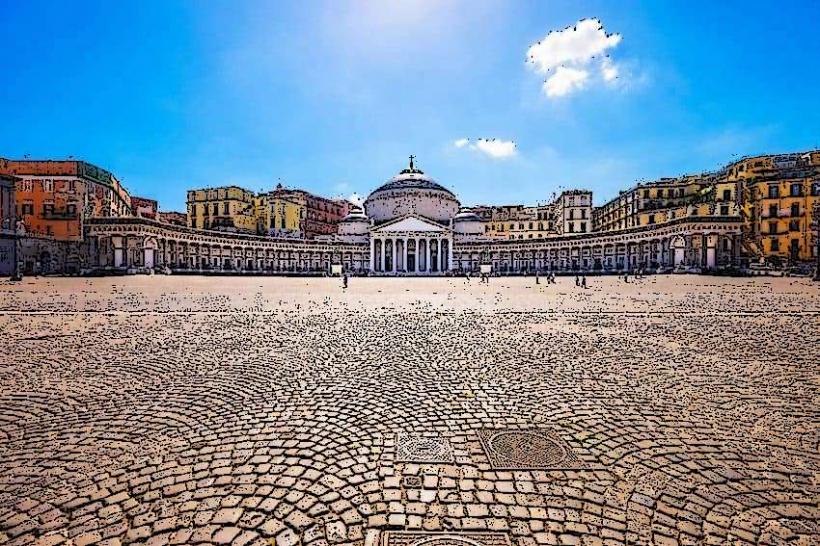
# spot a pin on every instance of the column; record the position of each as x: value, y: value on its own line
x: 393, y: 262
x: 382, y: 253
x: 417, y: 265
x: 404, y: 251
x: 372, y: 259
x: 429, y: 256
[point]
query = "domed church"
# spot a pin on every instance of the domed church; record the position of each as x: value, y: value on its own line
x: 410, y: 222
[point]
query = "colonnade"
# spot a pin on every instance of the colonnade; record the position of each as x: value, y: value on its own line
x: 411, y: 254
x: 139, y: 243
x: 688, y: 250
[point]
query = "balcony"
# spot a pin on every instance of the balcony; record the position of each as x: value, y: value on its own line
x: 60, y: 215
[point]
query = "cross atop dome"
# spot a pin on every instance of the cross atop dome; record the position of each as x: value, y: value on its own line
x: 412, y: 169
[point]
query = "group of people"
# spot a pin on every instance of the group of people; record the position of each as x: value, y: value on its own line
x: 582, y: 282
x: 550, y: 278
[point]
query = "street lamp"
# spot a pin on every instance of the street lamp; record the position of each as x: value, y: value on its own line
x: 19, y: 233
x: 816, y: 221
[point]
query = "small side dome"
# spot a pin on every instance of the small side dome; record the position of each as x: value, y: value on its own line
x: 356, y: 214
x: 466, y: 216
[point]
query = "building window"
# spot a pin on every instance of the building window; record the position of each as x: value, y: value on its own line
x: 795, y: 210
x: 774, y: 192
x: 773, y: 228
x: 651, y: 218
x: 796, y: 190
x: 583, y: 227
x: 775, y: 245
x: 48, y: 185
x: 724, y: 210
x: 48, y: 209
x: 646, y: 194
x: 815, y: 189
x: 571, y: 227
x: 772, y: 211
x: 572, y: 214
x: 27, y: 209
x: 71, y: 209
x: 660, y: 193
x: 680, y: 192
x: 794, y: 225
x: 727, y: 195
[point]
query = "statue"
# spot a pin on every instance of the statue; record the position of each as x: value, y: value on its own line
x: 412, y: 157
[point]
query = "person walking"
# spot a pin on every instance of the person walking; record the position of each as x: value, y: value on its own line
x: 577, y: 282
x: 584, y: 281
x: 344, y: 280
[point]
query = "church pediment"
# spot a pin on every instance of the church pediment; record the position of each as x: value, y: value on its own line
x: 410, y: 223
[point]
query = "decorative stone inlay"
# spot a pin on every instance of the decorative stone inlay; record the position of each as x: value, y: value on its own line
x: 532, y: 449
x: 423, y: 449
x: 407, y: 538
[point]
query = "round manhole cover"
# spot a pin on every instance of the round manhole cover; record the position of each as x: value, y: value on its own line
x: 527, y: 449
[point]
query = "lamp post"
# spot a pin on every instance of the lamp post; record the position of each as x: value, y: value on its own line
x: 19, y: 233
x: 816, y: 219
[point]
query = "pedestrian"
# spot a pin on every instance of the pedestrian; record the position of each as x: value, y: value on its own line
x: 536, y: 278
x: 577, y: 282
x: 584, y: 281
x: 344, y: 280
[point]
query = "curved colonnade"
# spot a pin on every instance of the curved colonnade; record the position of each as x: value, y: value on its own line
x: 137, y: 243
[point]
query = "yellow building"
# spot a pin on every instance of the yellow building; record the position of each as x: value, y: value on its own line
x: 664, y: 200
x: 517, y: 221
x: 286, y: 217
x: 228, y: 208
x: 779, y: 196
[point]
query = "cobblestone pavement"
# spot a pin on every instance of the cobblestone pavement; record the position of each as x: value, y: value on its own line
x: 157, y: 410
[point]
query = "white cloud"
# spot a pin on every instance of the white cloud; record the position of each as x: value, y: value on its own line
x: 576, y: 45
x: 565, y: 80
x: 491, y: 147
x: 609, y: 70
x: 564, y: 57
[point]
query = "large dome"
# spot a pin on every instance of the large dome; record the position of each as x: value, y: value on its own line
x: 411, y: 192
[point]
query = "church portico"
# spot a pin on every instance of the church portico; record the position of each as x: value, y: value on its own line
x: 411, y: 246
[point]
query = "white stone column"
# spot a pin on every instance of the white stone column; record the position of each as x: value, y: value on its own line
x: 372, y: 259
x: 429, y: 254
x: 417, y: 265
x: 393, y: 262
x: 382, y: 253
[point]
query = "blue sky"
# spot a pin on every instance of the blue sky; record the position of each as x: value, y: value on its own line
x: 333, y: 96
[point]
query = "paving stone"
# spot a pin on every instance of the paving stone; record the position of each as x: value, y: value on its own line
x: 669, y: 410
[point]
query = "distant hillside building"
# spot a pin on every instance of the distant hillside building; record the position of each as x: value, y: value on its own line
x: 173, y: 218
x: 144, y: 208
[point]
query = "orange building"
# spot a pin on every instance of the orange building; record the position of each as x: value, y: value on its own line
x: 53, y: 197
